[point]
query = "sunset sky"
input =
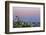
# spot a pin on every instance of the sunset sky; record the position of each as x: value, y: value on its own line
x: 26, y: 11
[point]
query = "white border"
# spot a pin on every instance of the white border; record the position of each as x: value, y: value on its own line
x: 11, y: 29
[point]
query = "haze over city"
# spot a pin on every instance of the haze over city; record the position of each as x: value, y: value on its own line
x: 26, y: 11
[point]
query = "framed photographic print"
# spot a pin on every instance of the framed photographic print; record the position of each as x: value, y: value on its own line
x: 24, y: 17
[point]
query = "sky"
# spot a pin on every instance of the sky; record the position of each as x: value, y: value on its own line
x: 26, y: 11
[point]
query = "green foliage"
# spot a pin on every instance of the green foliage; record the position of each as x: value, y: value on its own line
x: 19, y: 24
